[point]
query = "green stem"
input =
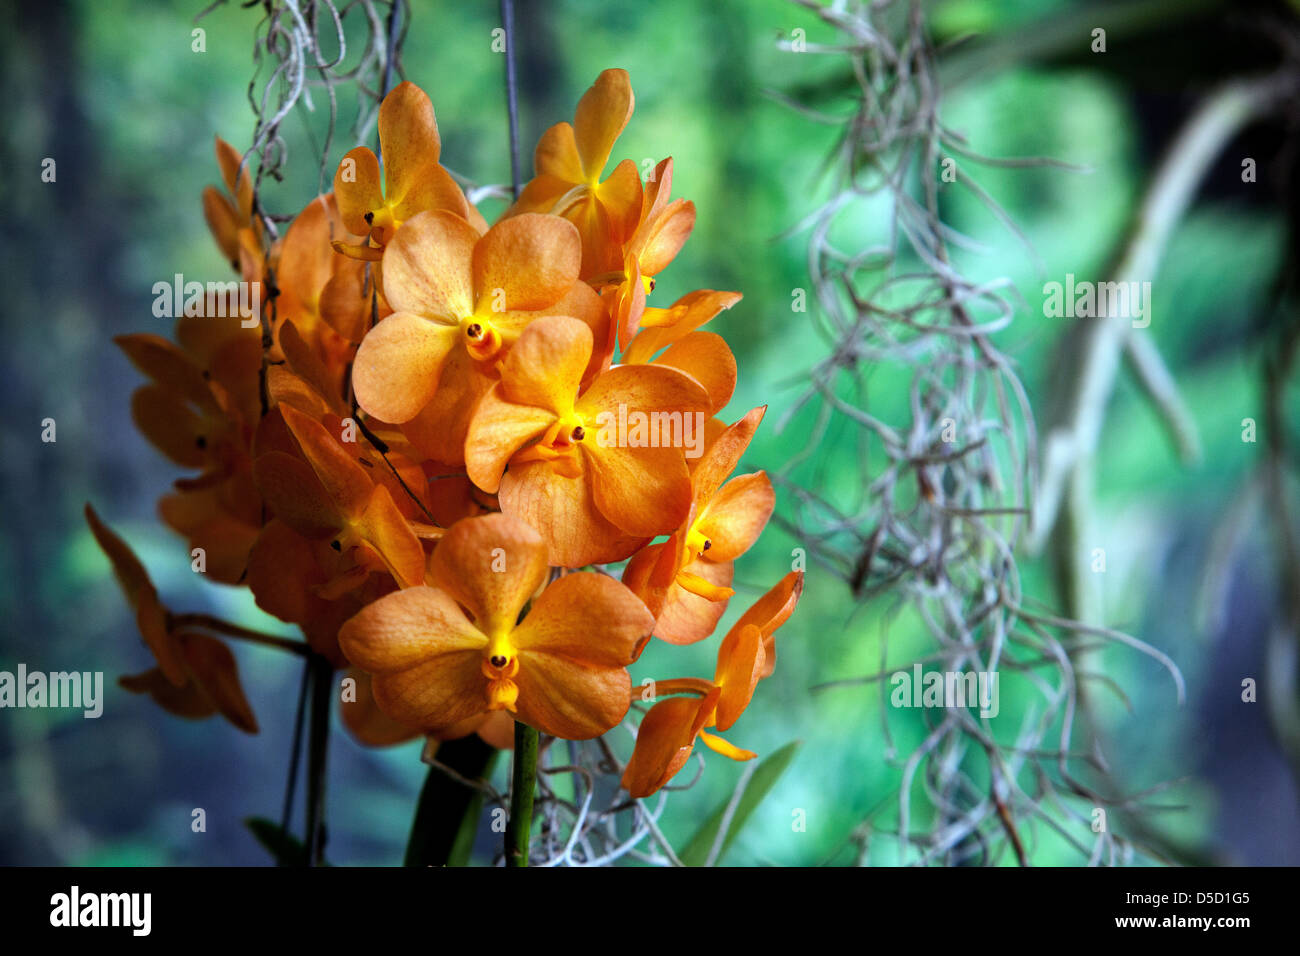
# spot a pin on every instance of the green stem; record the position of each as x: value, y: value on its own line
x: 322, y: 692
x: 512, y: 96
x: 519, y: 828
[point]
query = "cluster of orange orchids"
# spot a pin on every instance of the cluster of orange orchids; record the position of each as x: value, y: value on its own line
x: 440, y: 435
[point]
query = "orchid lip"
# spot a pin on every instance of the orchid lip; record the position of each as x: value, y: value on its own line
x: 696, y: 542
x: 500, y: 666
x: 499, y: 655
x: 482, y: 340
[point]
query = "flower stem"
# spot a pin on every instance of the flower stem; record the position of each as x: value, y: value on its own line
x: 519, y: 828
x: 286, y: 815
x: 218, y: 626
x: 322, y: 690
x: 512, y: 97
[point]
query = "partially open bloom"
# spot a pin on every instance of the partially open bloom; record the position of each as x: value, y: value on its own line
x: 322, y: 295
x: 685, y: 581
x: 747, y: 655
x: 570, y: 161
x: 196, y: 674
x: 456, y: 650
x: 661, y: 328
x: 194, y: 411
x: 660, y: 235
x: 413, y: 179
x: 230, y: 217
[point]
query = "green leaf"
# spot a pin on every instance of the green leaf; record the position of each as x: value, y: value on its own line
x: 763, y: 779
x: 286, y: 848
x: 463, y: 844
x: 447, y: 815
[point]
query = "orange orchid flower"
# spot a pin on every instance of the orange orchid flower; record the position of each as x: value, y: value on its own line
x: 304, y: 580
x: 211, y: 683
x: 187, y: 414
x: 228, y: 352
x: 747, y: 654
x: 594, y: 494
x: 427, y: 435
x: 461, y: 300
x: 413, y: 179
x: 569, y: 163
x: 308, y: 583
x: 228, y: 355
x: 324, y: 494
x: 180, y: 412
x: 456, y: 650
x: 196, y: 674
x: 685, y: 581
x: 663, y: 230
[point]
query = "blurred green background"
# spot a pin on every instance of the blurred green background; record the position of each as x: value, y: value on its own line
x: 115, y: 94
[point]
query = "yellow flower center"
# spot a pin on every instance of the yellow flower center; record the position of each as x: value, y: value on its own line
x: 499, y: 666
x: 568, y: 430
x: 559, y: 446
x: 481, y: 338
x: 696, y: 542
x: 382, y: 224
